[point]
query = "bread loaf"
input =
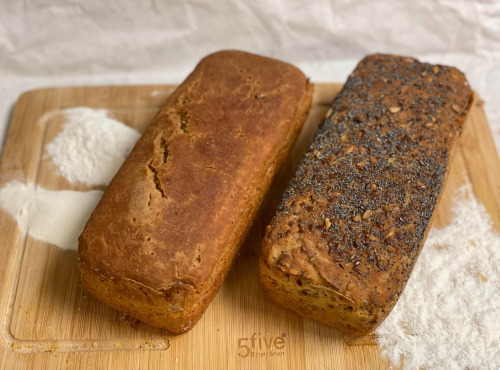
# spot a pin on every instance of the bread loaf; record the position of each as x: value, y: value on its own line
x: 353, y: 220
x: 161, y: 240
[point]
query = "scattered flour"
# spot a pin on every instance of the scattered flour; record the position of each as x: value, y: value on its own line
x: 448, y: 317
x: 166, y: 92
x: 91, y: 147
x: 56, y: 217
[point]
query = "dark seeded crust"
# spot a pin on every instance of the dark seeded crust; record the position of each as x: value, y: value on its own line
x: 355, y: 216
x: 165, y: 232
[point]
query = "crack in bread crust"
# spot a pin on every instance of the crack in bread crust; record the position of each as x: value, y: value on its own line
x: 164, y: 235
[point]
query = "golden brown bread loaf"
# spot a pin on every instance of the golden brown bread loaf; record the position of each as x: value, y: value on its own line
x: 353, y: 220
x: 161, y: 240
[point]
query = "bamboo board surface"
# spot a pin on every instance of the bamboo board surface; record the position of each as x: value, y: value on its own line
x: 48, y: 320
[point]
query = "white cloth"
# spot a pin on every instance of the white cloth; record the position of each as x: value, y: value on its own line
x: 74, y: 42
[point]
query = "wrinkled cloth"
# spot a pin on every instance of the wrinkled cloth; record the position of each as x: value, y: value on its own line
x: 75, y: 42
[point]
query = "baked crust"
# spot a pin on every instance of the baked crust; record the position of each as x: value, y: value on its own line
x: 162, y: 239
x: 355, y: 216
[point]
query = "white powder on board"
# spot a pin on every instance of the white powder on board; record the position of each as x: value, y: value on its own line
x: 56, y: 217
x: 448, y: 316
x: 91, y: 147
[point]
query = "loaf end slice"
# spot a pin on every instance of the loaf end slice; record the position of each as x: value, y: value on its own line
x: 162, y: 239
x: 355, y: 216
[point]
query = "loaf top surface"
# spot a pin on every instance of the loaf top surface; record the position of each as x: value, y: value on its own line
x: 356, y: 213
x: 169, y: 212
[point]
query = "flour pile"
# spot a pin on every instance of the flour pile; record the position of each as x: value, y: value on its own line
x: 91, y: 147
x: 448, y: 317
x: 56, y: 217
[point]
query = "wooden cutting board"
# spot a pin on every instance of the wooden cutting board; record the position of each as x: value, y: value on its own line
x: 48, y: 320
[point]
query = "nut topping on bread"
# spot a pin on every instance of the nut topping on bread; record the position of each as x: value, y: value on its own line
x: 374, y: 170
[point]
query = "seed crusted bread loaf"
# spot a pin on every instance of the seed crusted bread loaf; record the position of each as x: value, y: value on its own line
x: 161, y: 240
x: 353, y: 220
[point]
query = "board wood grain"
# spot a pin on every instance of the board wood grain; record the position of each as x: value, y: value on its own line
x: 48, y: 320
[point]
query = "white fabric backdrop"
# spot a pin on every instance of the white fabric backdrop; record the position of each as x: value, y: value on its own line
x: 75, y: 42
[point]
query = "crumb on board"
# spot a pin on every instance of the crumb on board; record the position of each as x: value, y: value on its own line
x: 482, y: 277
x: 52, y: 348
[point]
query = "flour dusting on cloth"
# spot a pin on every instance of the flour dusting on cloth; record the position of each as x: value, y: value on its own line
x: 448, y: 317
x: 91, y: 147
